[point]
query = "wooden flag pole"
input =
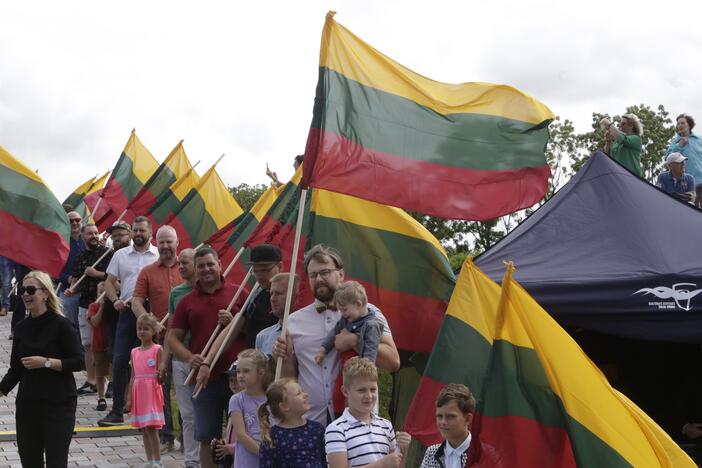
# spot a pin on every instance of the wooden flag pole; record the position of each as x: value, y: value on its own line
x: 227, y: 335
x: 219, y: 327
x: 71, y: 289
x: 291, y: 279
x: 233, y: 262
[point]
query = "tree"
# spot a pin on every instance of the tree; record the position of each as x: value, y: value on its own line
x: 246, y: 195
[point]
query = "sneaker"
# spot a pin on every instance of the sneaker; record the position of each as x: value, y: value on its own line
x: 102, y: 405
x: 167, y: 446
x: 111, y: 419
x: 87, y: 389
x: 108, y: 392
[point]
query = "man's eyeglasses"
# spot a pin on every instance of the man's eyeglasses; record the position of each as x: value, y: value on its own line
x: 323, y: 274
x: 30, y: 290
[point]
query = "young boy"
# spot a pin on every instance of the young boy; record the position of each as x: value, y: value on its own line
x: 360, y: 437
x: 455, y: 407
x: 223, y: 449
x: 351, y: 300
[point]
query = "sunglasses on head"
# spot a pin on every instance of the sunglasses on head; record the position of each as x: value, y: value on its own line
x: 30, y: 290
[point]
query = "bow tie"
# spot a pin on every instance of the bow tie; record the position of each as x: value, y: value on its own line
x: 322, y: 307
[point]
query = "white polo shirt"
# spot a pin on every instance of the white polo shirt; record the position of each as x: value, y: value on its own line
x: 307, y: 329
x: 126, y: 264
x: 363, y: 443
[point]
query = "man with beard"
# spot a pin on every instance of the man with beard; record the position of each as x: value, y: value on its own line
x: 124, y: 268
x: 69, y: 304
x: 198, y: 314
x: 87, y: 290
x: 154, y: 284
x: 308, y: 327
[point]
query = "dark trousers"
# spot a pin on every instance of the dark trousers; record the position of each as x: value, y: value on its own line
x: 167, y: 434
x: 125, y: 340
x: 44, y: 427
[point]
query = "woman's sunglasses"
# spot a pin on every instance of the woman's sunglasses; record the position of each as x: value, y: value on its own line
x: 30, y: 290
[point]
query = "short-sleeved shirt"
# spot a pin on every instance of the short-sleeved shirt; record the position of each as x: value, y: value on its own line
x: 126, y: 264
x: 258, y: 316
x: 197, y: 313
x: 308, y: 329
x: 155, y: 283
x: 297, y: 447
x: 98, y: 343
x: 176, y: 295
x: 267, y: 337
x: 247, y: 405
x: 669, y: 184
x: 363, y: 443
x: 88, y: 286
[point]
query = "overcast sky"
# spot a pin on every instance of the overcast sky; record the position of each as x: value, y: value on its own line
x: 239, y: 77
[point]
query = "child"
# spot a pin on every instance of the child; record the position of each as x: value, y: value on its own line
x: 252, y: 370
x: 351, y: 300
x: 293, y: 442
x: 360, y: 437
x: 455, y: 406
x: 146, y: 395
x: 98, y: 345
x: 223, y: 449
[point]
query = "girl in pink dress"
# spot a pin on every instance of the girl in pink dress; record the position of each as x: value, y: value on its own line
x: 146, y: 395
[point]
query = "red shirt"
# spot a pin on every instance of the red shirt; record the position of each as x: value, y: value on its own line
x: 154, y: 283
x: 99, y: 342
x: 197, y: 312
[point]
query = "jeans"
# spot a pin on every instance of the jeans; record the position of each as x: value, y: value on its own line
x: 70, y: 308
x: 6, y: 268
x: 191, y: 447
x: 125, y: 340
x: 166, y: 433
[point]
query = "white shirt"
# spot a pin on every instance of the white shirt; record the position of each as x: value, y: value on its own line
x: 363, y: 443
x: 308, y: 329
x: 452, y: 456
x: 126, y: 264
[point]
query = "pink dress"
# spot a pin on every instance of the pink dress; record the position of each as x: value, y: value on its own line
x: 147, y: 395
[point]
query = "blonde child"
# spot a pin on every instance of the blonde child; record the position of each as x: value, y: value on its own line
x: 98, y: 345
x: 254, y: 375
x: 146, y: 396
x: 293, y: 442
x: 360, y: 437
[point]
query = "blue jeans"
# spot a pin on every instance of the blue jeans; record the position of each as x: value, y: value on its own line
x: 70, y: 308
x: 6, y: 268
x: 125, y: 340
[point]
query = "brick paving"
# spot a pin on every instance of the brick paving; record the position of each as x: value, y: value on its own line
x: 113, y: 452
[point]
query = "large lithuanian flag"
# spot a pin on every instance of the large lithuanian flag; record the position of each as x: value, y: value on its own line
x: 79, y: 200
x: 385, y: 133
x: 541, y: 401
x: 79, y: 193
x: 36, y: 231
x: 170, y: 200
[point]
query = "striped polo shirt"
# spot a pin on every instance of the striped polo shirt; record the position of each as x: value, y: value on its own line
x: 363, y: 443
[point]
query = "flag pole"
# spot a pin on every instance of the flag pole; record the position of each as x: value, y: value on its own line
x: 228, y: 334
x: 71, y: 289
x: 206, y: 349
x: 291, y: 279
x: 233, y: 262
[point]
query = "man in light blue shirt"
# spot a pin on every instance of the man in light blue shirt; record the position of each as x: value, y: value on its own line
x: 675, y: 180
x: 265, y: 339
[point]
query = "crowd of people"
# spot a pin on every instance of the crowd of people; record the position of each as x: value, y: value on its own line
x: 140, y: 315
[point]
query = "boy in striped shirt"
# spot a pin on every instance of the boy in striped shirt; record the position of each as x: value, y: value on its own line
x: 360, y: 437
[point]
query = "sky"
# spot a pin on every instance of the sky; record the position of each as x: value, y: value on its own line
x: 238, y: 78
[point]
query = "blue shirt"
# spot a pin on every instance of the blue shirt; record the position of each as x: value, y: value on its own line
x: 684, y: 184
x: 266, y: 338
x: 692, y: 151
x: 77, y: 246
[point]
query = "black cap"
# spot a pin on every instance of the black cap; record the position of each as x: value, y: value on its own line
x: 264, y: 254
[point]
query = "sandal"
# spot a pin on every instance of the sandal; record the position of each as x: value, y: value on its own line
x: 102, y: 405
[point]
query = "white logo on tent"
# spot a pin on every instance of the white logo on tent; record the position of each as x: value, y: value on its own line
x: 680, y: 293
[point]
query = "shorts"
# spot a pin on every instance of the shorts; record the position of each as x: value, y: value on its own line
x: 86, y: 331
x: 210, y: 409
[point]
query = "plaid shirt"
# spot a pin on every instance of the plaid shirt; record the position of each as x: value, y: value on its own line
x: 88, y: 287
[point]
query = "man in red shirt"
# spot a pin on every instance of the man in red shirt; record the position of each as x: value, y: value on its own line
x: 154, y: 284
x: 198, y: 314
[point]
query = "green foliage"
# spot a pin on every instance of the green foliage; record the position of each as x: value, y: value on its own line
x: 246, y: 195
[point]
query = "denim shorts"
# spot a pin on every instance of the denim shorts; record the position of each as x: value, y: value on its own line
x: 211, y: 407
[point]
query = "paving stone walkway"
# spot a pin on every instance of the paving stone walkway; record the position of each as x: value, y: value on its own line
x: 113, y: 452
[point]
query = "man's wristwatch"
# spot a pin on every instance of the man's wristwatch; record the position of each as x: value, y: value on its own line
x: 47, y: 363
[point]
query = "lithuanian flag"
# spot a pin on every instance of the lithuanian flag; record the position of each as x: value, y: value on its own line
x: 79, y: 193
x: 402, y: 266
x: 169, y: 201
x: 385, y: 133
x: 175, y: 166
x: 541, y: 401
x: 36, y: 231
x: 206, y: 209
x: 89, y: 198
x: 134, y: 167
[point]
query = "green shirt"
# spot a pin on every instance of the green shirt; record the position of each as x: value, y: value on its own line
x: 626, y: 150
x: 174, y: 298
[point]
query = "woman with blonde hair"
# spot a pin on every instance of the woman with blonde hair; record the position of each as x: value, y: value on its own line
x: 45, y: 353
x: 624, y: 144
